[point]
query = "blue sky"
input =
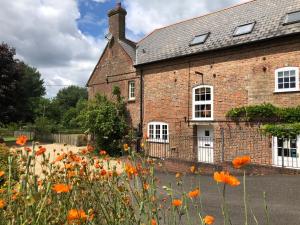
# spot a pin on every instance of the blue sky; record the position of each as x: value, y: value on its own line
x: 64, y: 39
x: 93, y: 20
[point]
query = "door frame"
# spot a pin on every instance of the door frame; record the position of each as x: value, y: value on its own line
x: 205, y: 144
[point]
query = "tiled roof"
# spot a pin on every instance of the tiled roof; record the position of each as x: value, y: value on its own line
x: 129, y: 48
x: 174, y: 40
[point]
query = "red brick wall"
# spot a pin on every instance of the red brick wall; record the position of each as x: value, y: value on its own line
x: 115, y: 68
x: 237, y: 75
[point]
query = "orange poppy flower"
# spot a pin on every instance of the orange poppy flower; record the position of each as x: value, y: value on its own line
x: 176, y: 202
x: 77, y: 215
x: 178, y: 175
x: 130, y: 170
x: 2, y: 203
x: 193, y: 169
x: 126, y: 147
x: 61, y: 188
x: 71, y: 174
x: 21, y: 140
x: 60, y: 157
x: 68, y: 166
x: 103, y: 172
x: 102, y: 152
x: 41, y: 151
x: 84, y: 151
x: 2, y: 173
x: 146, y: 186
x: 209, y: 220
x: 153, y: 222
x: 238, y: 162
x: 194, y: 194
x: 90, y: 148
x: 225, y: 177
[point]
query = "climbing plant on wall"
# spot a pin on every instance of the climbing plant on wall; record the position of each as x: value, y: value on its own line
x: 276, y: 121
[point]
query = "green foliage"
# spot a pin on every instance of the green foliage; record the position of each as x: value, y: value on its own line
x: 288, y: 117
x: 282, y: 130
x: 264, y: 112
x: 68, y: 97
x: 20, y: 88
x: 107, y: 121
x: 4, y: 154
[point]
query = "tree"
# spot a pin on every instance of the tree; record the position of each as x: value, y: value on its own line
x: 21, y: 87
x: 9, y: 77
x: 30, y: 89
x: 107, y: 121
x: 68, y: 97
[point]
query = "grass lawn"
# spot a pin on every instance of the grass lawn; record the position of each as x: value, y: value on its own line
x: 10, y: 138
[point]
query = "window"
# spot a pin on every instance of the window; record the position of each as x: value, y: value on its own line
x: 199, y: 39
x: 203, y: 103
x: 287, y: 79
x: 287, y: 147
x: 131, y: 89
x: 244, y: 29
x: 158, y: 132
x: 293, y: 17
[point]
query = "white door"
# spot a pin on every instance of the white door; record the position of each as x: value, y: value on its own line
x: 205, y: 136
x: 286, y: 152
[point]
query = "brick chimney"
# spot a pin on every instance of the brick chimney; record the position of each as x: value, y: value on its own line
x: 117, y: 21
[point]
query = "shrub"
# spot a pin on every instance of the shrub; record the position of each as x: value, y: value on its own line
x: 106, y: 120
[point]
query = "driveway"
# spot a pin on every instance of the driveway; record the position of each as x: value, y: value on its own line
x: 282, y: 191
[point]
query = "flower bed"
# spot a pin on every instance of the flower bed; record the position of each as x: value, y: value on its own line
x: 81, y: 188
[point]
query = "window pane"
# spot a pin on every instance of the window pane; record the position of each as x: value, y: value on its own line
x: 286, y: 73
x: 293, y: 72
x: 165, y: 132
x: 244, y: 29
x: 292, y: 79
x: 292, y: 85
x: 279, y: 151
x: 294, y: 153
x: 280, y: 86
x: 157, y: 131
x: 286, y: 85
x: 151, y: 131
x: 280, y: 74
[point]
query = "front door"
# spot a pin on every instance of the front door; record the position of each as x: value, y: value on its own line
x: 205, y: 139
x: 286, y: 152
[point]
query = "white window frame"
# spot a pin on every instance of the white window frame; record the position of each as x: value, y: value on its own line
x: 206, y: 102
x: 131, y: 90
x: 158, y: 137
x: 296, y: 76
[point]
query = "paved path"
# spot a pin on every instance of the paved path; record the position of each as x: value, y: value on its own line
x: 283, y: 198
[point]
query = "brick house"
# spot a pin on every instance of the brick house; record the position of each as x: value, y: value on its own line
x: 180, y: 80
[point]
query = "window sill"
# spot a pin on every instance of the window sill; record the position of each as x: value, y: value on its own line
x: 286, y: 91
x: 131, y: 100
x: 158, y: 141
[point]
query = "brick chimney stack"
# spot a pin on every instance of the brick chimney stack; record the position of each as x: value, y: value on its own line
x: 117, y: 21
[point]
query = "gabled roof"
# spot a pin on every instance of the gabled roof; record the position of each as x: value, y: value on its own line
x: 129, y: 48
x: 174, y: 40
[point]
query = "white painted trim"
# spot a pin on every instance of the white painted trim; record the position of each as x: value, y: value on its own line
x: 129, y: 90
x: 161, y: 140
x: 297, y: 88
x: 211, y: 102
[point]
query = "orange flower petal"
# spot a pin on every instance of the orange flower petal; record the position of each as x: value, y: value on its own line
x: 176, y: 202
x: 209, y: 220
x: 238, y: 162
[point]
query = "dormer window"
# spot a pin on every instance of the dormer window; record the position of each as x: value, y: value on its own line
x: 244, y: 29
x: 203, y: 103
x: 199, y: 39
x: 293, y: 17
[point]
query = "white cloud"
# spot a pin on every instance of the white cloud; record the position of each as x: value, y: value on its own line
x: 45, y: 35
x: 144, y: 16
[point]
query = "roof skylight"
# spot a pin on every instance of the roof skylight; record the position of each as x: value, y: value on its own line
x: 244, y: 29
x: 293, y: 17
x: 199, y: 39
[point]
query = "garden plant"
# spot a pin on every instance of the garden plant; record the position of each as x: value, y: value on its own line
x: 85, y: 188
